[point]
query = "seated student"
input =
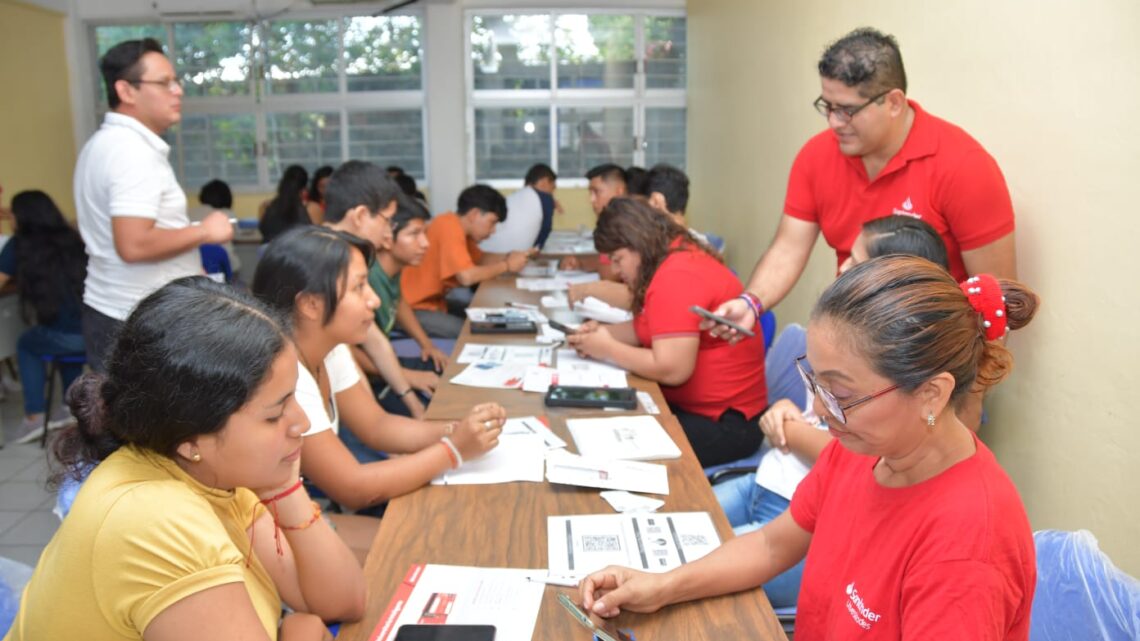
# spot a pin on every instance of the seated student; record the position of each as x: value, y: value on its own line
x: 532, y: 214
x: 717, y: 394
x: 287, y: 208
x: 407, y: 246
x: 319, y: 276
x: 216, y: 196
x: 606, y: 182
x: 453, y: 259
x: 796, y: 437
x: 911, y: 528
x: 361, y: 200
x: 315, y: 195
x: 667, y: 189
x: 193, y: 523
x: 48, y: 262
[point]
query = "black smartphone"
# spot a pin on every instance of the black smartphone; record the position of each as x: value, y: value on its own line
x: 569, y: 396
x: 565, y: 329
x: 504, y: 327
x: 446, y: 632
x: 704, y: 313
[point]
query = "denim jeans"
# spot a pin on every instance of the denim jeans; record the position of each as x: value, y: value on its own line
x: 99, y: 333
x: 32, y: 346
x: 749, y: 506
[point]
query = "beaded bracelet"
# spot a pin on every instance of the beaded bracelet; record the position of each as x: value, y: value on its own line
x: 306, y: 524
x: 753, y: 303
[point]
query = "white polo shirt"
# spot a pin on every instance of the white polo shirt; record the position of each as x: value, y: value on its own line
x: 520, y: 230
x: 123, y: 170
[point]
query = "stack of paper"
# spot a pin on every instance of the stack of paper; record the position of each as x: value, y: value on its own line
x: 579, y: 545
x: 560, y: 281
x: 601, y: 311
x: 492, y: 374
x: 633, y: 438
x: 574, y: 371
x: 533, y: 425
x: 565, y: 468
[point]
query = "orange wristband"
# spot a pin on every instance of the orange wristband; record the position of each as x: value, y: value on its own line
x: 306, y: 524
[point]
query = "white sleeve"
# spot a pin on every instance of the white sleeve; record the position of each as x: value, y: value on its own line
x: 135, y: 187
x: 341, y: 367
x: 308, y: 396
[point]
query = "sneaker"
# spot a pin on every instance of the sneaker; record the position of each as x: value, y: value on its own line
x: 60, y: 417
x: 30, y: 431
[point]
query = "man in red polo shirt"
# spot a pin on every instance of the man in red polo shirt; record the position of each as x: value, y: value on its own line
x: 882, y: 154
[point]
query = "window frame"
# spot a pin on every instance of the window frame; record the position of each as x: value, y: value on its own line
x: 260, y: 103
x: 638, y: 98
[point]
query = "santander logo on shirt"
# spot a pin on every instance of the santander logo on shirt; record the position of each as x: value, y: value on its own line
x: 863, y: 616
x: 907, y: 210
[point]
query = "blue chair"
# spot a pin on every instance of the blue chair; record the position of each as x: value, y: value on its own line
x: 717, y: 242
x: 768, y: 328
x: 1080, y: 593
x: 215, y: 261
x: 53, y: 362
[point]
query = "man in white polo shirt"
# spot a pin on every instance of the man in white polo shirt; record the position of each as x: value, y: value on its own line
x: 131, y: 209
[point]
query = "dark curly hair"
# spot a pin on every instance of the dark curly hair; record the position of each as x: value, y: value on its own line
x: 867, y: 60
x: 631, y: 223
x: 51, y: 264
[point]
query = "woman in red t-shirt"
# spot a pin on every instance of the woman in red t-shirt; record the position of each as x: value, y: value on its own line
x: 716, y: 389
x: 915, y: 532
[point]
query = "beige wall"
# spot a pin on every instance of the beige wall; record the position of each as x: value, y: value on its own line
x: 1050, y: 89
x: 37, y: 150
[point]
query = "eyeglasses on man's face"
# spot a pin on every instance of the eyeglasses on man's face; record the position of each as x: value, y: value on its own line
x: 830, y: 403
x: 843, y: 113
x: 173, y: 85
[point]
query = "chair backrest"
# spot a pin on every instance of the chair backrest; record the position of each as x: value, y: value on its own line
x: 768, y: 326
x: 780, y: 366
x: 215, y: 261
x: 1080, y: 593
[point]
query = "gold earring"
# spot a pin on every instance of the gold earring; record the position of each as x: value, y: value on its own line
x: 196, y: 457
x: 930, y: 420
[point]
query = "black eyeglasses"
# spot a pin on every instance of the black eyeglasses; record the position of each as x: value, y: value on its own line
x: 830, y: 403
x: 170, y: 85
x: 843, y: 113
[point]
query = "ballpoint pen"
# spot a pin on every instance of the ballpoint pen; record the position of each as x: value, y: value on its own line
x: 562, y: 581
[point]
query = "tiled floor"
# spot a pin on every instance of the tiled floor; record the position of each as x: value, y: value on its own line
x: 26, y: 520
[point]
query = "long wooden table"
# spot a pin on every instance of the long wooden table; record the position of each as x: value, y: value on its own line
x: 504, y: 525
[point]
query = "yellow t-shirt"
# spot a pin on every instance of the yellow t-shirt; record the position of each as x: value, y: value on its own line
x: 141, y: 535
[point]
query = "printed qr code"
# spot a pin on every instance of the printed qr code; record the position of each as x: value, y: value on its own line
x: 693, y: 539
x: 600, y: 543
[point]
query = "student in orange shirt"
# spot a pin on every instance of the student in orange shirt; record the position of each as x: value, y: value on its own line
x: 453, y: 259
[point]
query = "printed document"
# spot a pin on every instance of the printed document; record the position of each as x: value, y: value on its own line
x: 581, y: 544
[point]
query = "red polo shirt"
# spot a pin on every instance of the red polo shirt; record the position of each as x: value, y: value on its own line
x: 940, y: 175
x: 726, y: 376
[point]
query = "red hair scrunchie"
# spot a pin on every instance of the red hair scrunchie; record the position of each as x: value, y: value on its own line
x: 984, y: 294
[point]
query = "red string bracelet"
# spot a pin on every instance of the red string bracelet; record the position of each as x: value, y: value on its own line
x: 286, y: 492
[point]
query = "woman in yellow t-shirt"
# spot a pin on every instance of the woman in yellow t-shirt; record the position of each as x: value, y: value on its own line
x: 193, y: 523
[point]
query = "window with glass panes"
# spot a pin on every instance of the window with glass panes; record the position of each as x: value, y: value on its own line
x: 260, y: 96
x: 574, y: 90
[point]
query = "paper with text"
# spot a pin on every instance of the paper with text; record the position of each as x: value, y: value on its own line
x: 581, y: 544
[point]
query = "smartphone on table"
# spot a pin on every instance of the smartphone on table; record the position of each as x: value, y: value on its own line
x: 445, y: 632
x: 720, y: 320
x: 592, y: 397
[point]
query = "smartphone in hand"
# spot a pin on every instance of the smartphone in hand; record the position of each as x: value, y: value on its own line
x: 721, y: 320
x: 565, y: 329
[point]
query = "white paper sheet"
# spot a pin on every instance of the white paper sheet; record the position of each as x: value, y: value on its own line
x: 557, y: 282
x: 565, y: 468
x: 491, y: 374
x: 647, y: 402
x: 579, y: 545
x: 623, y: 501
x: 527, y: 354
x: 518, y: 457
x: 633, y: 438
x: 452, y: 594
x: 533, y: 425
x: 587, y: 372
x: 601, y: 311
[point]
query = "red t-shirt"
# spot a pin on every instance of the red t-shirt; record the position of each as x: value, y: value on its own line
x: 449, y: 252
x: 949, y: 558
x: 726, y: 376
x: 940, y: 175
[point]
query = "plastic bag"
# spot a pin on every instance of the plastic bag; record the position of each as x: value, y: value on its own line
x: 1081, y: 595
x: 13, y: 577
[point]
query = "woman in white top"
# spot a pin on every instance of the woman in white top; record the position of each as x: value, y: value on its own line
x: 320, y: 277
